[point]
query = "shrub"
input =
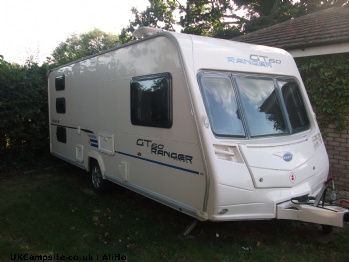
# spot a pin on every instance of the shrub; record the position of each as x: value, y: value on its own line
x: 23, y: 111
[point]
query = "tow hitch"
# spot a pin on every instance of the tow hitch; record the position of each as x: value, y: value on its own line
x: 322, y: 210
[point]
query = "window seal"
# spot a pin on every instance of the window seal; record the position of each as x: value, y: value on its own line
x: 167, y: 121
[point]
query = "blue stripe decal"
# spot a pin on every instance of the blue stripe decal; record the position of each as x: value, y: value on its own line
x: 159, y: 163
x: 93, y: 140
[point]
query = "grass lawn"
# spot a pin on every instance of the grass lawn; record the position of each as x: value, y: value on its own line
x: 54, y: 214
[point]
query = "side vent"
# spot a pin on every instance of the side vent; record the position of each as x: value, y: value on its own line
x: 228, y: 153
x: 79, y: 153
x: 123, y: 171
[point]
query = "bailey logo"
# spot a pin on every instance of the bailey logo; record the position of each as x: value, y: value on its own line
x: 287, y: 157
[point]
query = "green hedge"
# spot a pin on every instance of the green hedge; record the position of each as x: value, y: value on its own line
x: 23, y: 112
x: 326, y: 79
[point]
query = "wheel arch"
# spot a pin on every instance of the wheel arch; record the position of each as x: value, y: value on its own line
x: 95, y: 156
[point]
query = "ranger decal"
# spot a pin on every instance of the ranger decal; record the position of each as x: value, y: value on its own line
x: 158, y: 149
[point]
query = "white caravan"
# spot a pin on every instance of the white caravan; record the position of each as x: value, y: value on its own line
x: 217, y: 129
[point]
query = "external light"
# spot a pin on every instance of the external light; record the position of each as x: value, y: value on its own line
x: 317, y: 140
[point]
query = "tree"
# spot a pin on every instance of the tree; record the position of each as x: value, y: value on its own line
x: 260, y: 14
x: 310, y: 6
x: 160, y: 14
x: 216, y: 18
x: 79, y: 46
x: 221, y: 18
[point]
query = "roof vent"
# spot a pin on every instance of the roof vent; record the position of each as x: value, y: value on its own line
x: 145, y: 31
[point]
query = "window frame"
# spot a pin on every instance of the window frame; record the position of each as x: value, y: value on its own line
x: 293, y: 129
x: 250, y: 129
x: 136, y: 102
x: 60, y: 82
x: 60, y: 105
x: 207, y: 103
x: 61, y: 134
x: 289, y: 130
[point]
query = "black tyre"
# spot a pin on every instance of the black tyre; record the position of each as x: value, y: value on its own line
x: 99, y: 184
x: 327, y: 229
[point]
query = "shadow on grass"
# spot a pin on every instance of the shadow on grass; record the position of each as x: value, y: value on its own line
x: 53, y: 211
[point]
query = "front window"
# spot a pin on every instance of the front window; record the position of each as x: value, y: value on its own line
x: 294, y: 104
x: 222, y: 106
x: 260, y: 105
x: 251, y: 106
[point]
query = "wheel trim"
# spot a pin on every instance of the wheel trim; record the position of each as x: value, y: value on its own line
x: 96, y: 177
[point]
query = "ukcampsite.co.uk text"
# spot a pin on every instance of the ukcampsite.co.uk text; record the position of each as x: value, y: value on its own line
x: 57, y: 257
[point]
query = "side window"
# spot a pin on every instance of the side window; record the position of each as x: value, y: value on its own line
x: 151, y: 100
x: 61, y: 134
x: 60, y: 105
x: 60, y: 82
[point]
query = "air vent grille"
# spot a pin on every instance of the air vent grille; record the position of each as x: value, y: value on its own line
x: 228, y: 153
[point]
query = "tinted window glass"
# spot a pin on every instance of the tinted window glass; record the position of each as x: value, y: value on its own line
x: 253, y: 105
x: 221, y: 105
x: 294, y: 105
x: 60, y: 105
x: 261, y: 106
x: 61, y: 134
x: 151, y: 100
x: 60, y: 82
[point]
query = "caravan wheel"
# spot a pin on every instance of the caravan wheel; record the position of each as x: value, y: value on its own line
x: 327, y: 229
x: 98, y: 183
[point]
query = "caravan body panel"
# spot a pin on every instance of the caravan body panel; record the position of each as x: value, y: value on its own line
x: 150, y: 160
x: 230, y: 147
x: 249, y: 175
